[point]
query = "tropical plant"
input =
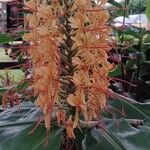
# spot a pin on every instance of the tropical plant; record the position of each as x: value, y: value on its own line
x: 67, y: 53
x: 69, y: 45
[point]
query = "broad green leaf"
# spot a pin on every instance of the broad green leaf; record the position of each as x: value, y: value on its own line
x: 98, y: 139
x: 119, y: 135
x: 17, y: 122
x: 131, y: 111
x: 18, y: 138
x: 134, y: 138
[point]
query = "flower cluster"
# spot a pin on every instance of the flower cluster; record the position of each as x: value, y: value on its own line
x: 44, y: 39
x: 88, y: 37
x: 91, y: 38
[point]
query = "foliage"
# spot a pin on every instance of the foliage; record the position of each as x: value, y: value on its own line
x: 148, y: 9
x: 17, y: 123
x: 6, y: 38
x: 121, y: 134
x: 133, y: 49
x: 134, y: 6
x: 137, y: 6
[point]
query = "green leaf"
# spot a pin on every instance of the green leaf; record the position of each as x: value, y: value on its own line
x: 119, y: 135
x: 131, y: 64
x: 5, y: 38
x: 131, y: 137
x: 131, y: 111
x: 99, y: 139
x: 20, y: 138
x: 148, y: 9
x: 23, y: 86
x: 116, y: 72
x: 130, y: 31
x: 15, y: 125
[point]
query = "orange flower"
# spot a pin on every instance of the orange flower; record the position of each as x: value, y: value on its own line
x: 86, y: 43
x: 69, y: 128
x: 77, y: 100
x: 61, y: 116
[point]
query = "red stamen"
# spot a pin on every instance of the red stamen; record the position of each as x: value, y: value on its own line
x: 117, y: 79
x: 17, y: 18
x: 94, y: 10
